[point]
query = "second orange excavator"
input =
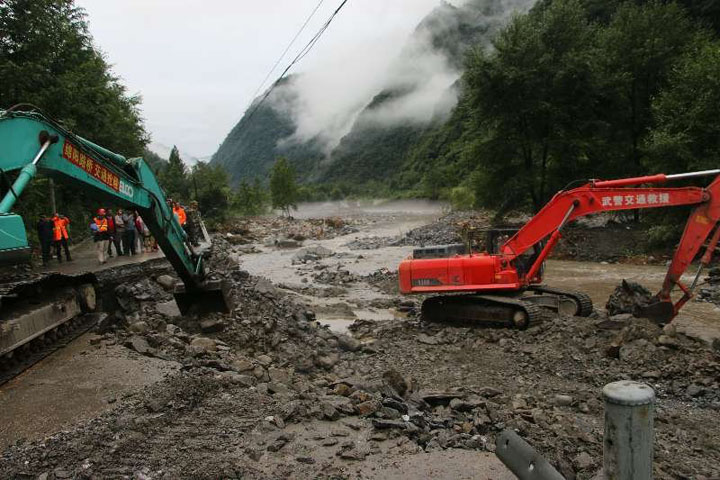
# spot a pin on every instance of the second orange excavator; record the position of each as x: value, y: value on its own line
x: 504, y: 282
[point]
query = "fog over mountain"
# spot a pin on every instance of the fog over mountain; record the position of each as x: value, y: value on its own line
x: 328, y: 121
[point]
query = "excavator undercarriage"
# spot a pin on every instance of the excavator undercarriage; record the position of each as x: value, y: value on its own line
x: 40, y: 313
x: 512, y: 310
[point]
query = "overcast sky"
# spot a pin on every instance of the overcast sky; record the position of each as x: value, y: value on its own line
x: 197, y: 64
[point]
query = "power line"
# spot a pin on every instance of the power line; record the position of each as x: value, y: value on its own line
x: 305, y: 50
x: 302, y: 28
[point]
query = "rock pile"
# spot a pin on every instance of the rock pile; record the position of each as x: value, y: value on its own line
x: 710, y: 292
x: 384, y: 280
x: 285, y: 230
x: 311, y: 254
x: 546, y: 383
x: 259, y: 392
x: 447, y: 229
x: 627, y: 298
x: 374, y: 242
x: 338, y: 276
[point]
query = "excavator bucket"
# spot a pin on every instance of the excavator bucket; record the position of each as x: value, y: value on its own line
x: 14, y: 246
x: 658, y: 311
x: 212, y: 296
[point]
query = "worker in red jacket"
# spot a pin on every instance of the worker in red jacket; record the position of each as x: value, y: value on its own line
x: 61, y: 236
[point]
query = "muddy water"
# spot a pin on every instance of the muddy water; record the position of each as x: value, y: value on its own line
x: 388, y: 219
x: 698, y: 319
x: 350, y: 208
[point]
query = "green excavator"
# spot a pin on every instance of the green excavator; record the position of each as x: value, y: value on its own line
x: 36, y: 309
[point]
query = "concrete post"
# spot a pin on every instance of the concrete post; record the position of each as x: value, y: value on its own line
x: 629, y: 436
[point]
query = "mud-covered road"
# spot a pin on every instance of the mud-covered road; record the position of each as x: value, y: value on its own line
x: 324, y: 371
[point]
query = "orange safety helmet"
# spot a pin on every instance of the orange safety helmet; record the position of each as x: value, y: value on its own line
x: 101, y: 211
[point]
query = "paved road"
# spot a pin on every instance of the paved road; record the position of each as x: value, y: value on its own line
x: 85, y: 260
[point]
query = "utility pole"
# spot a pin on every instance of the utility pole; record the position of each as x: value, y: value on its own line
x: 53, y: 206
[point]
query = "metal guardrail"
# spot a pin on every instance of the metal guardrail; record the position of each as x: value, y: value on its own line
x: 627, y: 442
x: 522, y: 459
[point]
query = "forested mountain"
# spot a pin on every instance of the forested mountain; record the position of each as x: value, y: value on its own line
x: 568, y: 90
x: 386, y: 128
x: 251, y: 148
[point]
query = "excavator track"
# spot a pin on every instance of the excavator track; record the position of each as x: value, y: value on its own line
x: 40, y: 313
x: 582, y: 300
x: 32, y: 352
x: 500, y: 310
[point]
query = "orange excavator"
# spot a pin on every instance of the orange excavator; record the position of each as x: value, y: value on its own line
x: 503, y: 283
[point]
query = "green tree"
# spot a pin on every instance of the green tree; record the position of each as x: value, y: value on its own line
x: 211, y: 189
x: 687, y: 135
x: 531, y: 104
x: 47, y: 59
x: 250, y: 198
x: 462, y: 198
x: 639, y: 48
x: 283, y: 187
x: 174, y: 178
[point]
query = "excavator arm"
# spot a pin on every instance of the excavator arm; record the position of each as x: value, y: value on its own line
x: 617, y: 195
x: 31, y: 142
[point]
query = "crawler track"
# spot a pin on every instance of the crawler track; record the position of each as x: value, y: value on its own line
x: 582, y: 300
x: 498, y: 310
x: 515, y: 311
x: 40, y: 347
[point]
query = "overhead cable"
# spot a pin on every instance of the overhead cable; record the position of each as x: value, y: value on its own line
x: 292, y: 42
x: 305, y: 50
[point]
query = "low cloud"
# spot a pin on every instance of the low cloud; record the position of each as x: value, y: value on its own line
x: 417, y: 76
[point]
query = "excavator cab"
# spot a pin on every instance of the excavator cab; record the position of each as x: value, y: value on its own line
x: 491, y: 240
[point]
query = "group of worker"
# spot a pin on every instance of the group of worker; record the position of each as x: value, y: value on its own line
x: 124, y: 230
x: 54, y: 231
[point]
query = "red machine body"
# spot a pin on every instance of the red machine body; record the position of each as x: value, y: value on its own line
x: 462, y: 273
x: 513, y: 268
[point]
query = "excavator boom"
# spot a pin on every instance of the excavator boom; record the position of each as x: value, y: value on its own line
x: 31, y: 142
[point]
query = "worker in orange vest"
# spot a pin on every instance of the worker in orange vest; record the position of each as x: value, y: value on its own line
x: 180, y: 212
x: 101, y: 235
x: 60, y: 236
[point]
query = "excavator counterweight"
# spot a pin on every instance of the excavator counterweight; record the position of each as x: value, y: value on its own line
x: 513, y: 271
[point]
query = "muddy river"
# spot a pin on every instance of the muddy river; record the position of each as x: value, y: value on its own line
x: 698, y: 319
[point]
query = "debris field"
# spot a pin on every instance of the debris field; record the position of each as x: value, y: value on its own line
x: 269, y: 392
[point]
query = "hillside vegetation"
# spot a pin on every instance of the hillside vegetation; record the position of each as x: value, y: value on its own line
x: 572, y: 89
